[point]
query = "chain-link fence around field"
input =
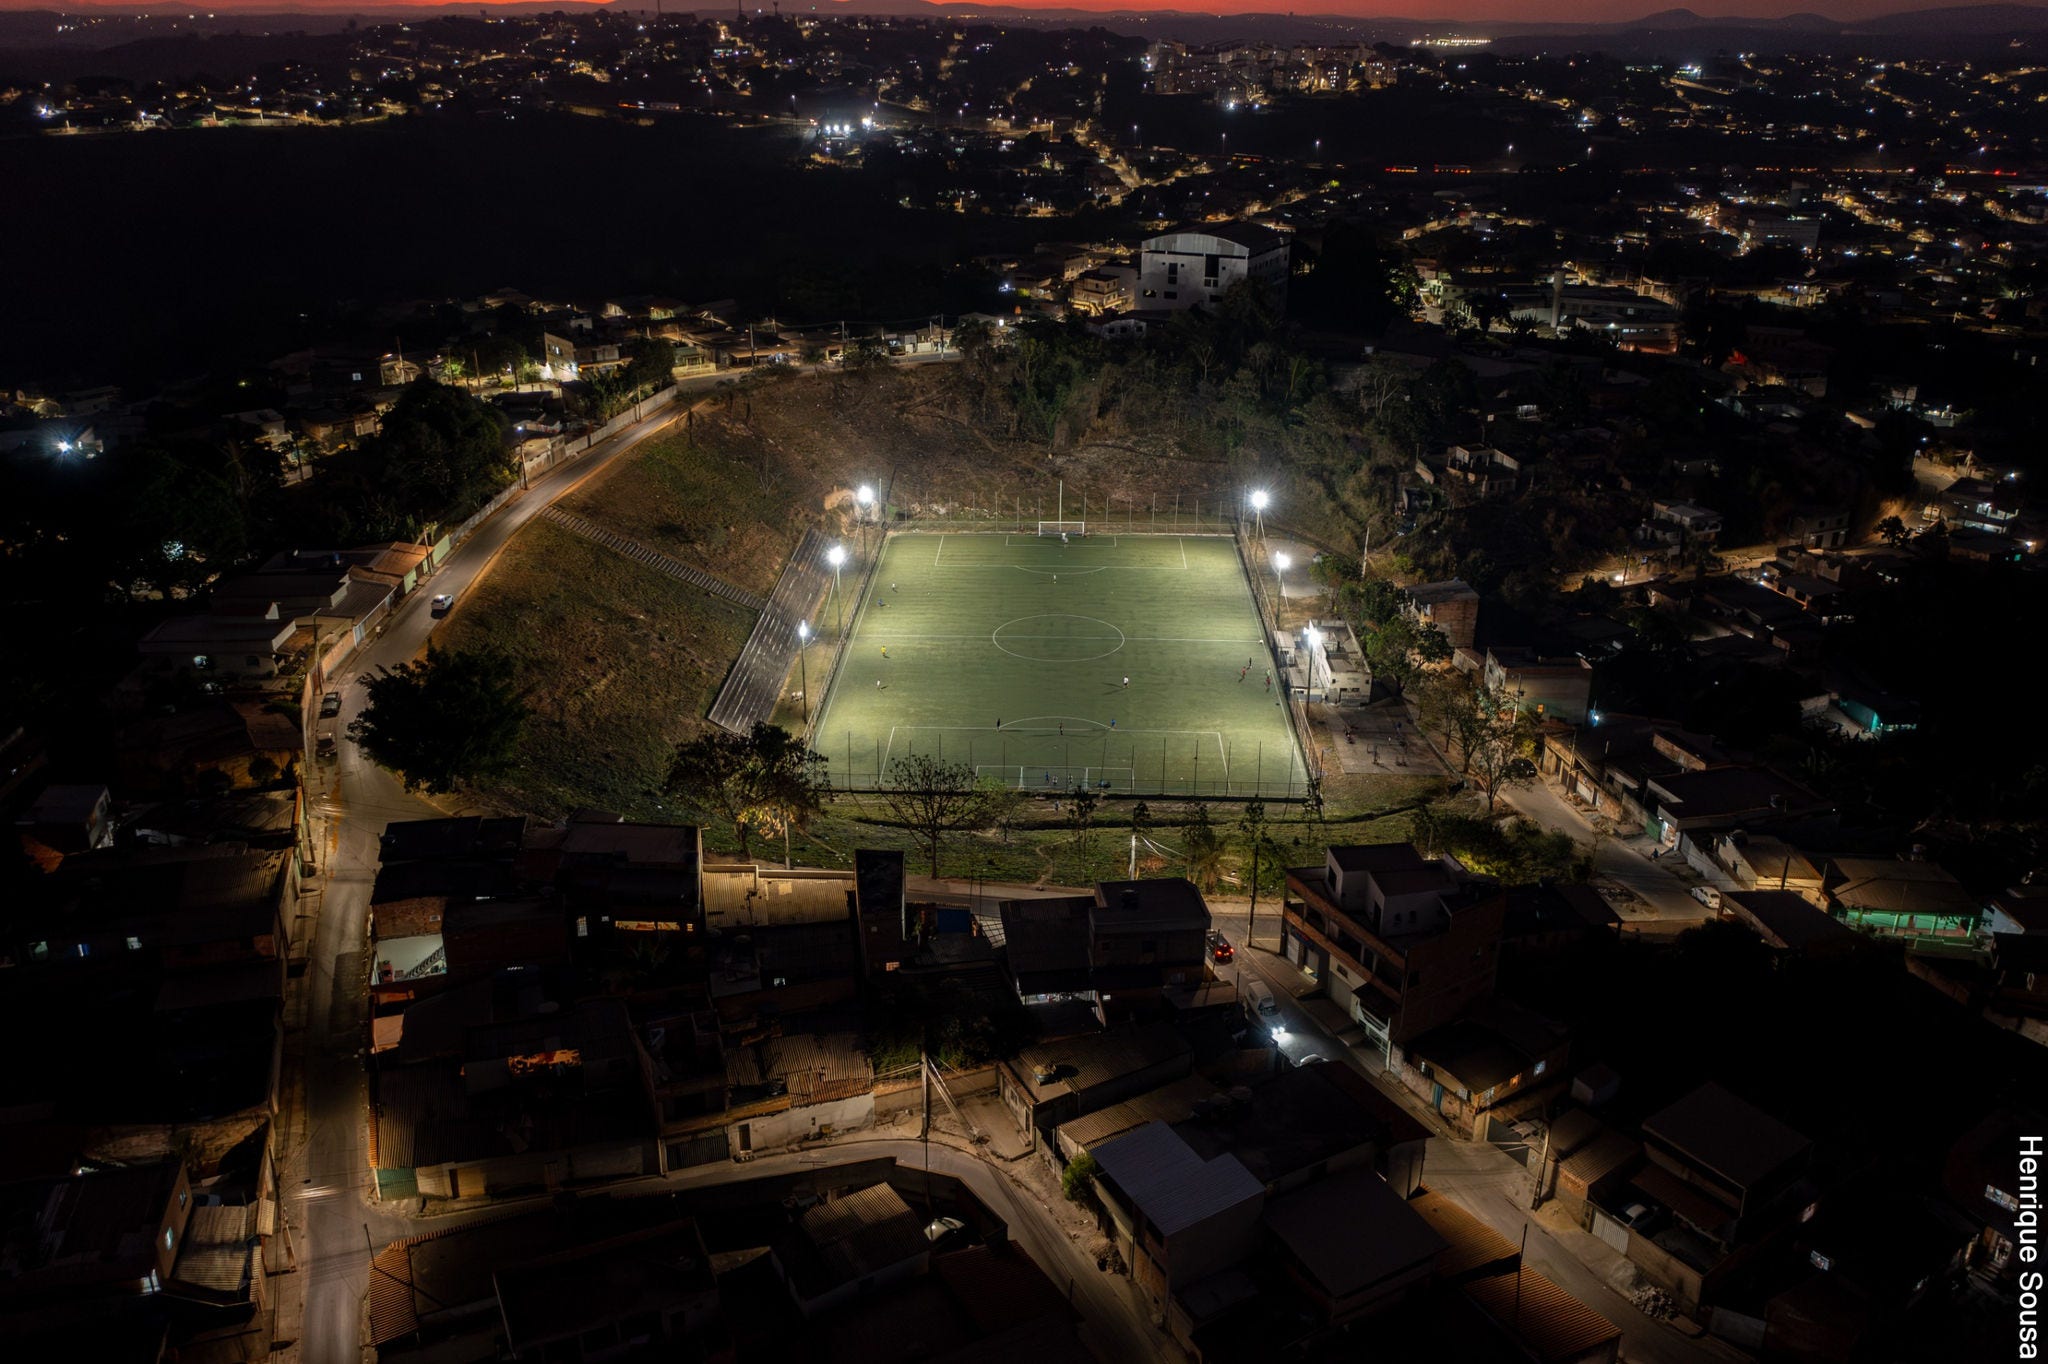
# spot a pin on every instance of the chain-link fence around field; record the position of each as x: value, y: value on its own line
x: 1128, y: 663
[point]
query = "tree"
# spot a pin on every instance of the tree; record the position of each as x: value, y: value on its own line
x: 1893, y: 532
x: 455, y: 717
x: 1077, y: 1180
x: 650, y: 361
x: 1081, y: 803
x: 933, y: 798
x: 1500, y: 757
x: 1397, y: 651
x: 1252, y: 826
x: 1202, y: 849
x: 764, y: 782
x: 1449, y: 706
x: 440, y: 453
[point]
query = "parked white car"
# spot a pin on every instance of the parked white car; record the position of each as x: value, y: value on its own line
x: 1708, y: 896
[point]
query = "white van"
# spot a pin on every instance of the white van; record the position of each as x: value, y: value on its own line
x: 1259, y: 998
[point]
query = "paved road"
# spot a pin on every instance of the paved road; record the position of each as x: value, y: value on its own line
x: 1661, y: 896
x: 327, y: 1184
x: 328, y: 1191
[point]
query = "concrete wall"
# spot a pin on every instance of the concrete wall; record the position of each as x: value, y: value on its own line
x: 776, y: 1130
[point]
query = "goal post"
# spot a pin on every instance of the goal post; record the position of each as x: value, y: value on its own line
x: 1062, y: 527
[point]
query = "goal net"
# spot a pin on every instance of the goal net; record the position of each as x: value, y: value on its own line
x: 1062, y: 527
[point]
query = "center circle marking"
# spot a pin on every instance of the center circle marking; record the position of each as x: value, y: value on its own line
x: 1057, y: 638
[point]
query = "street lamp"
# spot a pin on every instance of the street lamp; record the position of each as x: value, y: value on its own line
x: 1315, y: 640
x: 836, y: 556
x: 803, y: 672
x: 1280, y: 565
x: 1259, y: 500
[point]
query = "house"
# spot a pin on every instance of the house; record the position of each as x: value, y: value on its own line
x: 1046, y: 948
x: 1451, y: 606
x: 1787, y: 922
x: 1725, y: 1172
x: 849, y: 1247
x: 1328, y: 664
x: 1982, y: 1194
x: 1549, y: 915
x: 1691, y: 808
x: 1495, y: 1061
x: 1892, y: 897
x: 1106, y: 289
x: 2017, y: 909
x: 1403, y: 943
x: 1353, y: 1245
x: 1818, y: 527
x: 65, y: 820
x: 481, y: 1101
x: 1176, y: 1217
x: 1052, y: 1083
x: 1145, y: 936
x: 99, y: 1235
x: 1548, y: 688
x: 1304, y: 1122
x: 1196, y: 264
x: 1762, y: 862
x: 1694, y: 524
x: 1483, y: 470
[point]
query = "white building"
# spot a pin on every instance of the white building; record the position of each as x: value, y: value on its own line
x: 1195, y: 265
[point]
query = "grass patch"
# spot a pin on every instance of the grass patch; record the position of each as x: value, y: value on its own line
x: 618, y: 663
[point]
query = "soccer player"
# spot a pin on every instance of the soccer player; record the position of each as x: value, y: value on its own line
x: 1127, y: 684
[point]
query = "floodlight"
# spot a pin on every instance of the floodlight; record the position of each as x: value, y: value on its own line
x: 1282, y: 562
x: 836, y: 555
x: 1259, y: 500
x: 865, y: 496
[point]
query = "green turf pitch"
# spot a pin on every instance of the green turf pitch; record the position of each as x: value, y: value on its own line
x: 1009, y: 653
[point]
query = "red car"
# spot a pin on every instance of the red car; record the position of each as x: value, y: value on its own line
x: 1220, y: 948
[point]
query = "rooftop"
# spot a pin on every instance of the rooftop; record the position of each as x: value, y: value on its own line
x: 1734, y: 1138
x: 1165, y: 904
x: 1551, y: 1323
x: 1079, y: 1064
x: 1172, y: 1186
x: 1351, y: 1232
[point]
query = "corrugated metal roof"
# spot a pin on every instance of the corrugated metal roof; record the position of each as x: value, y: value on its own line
x: 1469, y: 1243
x: 1549, y: 1322
x: 864, y: 1233
x: 1169, y: 1103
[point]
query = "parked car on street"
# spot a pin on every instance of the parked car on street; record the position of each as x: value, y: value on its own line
x: 330, y: 705
x: 1220, y: 949
x: 1708, y: 896
x: 441, y: 604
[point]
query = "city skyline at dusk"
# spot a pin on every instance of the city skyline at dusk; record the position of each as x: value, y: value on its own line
x: 1479, y: 12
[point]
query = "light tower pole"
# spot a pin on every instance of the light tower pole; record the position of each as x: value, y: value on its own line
x: 863, y: 500
x: 1280, y: 566
x: 803, y: 672
x: 836, y: 556
x: 1259, y: 501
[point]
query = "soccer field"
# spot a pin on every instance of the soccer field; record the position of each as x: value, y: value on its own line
x: 1010, y: 653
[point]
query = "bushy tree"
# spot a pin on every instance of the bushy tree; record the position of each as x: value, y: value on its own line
x: 440, y: 453
x: 451, y: 719
x: 761, y: 783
